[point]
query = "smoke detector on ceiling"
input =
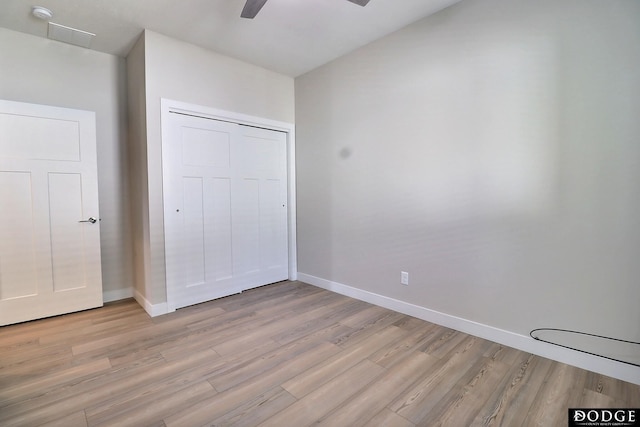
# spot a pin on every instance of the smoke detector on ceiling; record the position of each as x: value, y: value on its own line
x: 41, y: 13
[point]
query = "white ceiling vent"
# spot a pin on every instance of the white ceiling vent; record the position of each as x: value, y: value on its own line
x: 70, y: 35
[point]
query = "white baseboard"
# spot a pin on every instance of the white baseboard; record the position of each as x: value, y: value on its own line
x: 117, y: 294
x: 152, y: 310
x: 525, y: 343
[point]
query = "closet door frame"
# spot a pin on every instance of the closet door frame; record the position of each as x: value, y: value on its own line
x: 169, y: 106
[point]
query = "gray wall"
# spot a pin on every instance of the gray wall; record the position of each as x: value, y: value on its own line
x: 492, y: 151
x: 41, y: 71
x: 138, y: 170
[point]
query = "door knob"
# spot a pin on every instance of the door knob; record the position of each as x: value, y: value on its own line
x: 91, y: 219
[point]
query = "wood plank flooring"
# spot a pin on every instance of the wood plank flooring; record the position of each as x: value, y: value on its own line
x: 287, y: 354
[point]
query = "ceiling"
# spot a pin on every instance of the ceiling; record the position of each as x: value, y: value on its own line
x: 288, y: 36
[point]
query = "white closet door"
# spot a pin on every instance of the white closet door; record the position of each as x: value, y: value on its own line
x: 49, y: 249
x: 223, y: 228
x: 260, y: 208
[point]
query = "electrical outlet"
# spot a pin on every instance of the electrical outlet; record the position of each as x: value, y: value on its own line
x: 404, y: 278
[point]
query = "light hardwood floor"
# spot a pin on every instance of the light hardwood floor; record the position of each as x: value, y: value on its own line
x: 288, y: 354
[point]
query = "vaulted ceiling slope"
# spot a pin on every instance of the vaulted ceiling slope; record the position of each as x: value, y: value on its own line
x: 287, y: 36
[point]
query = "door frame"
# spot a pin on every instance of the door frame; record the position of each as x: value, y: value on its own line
x: 167, y: 106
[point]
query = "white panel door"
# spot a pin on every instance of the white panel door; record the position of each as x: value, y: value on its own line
x: 260, y: 214
x: 49, y: 249
x: 225, y: 208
